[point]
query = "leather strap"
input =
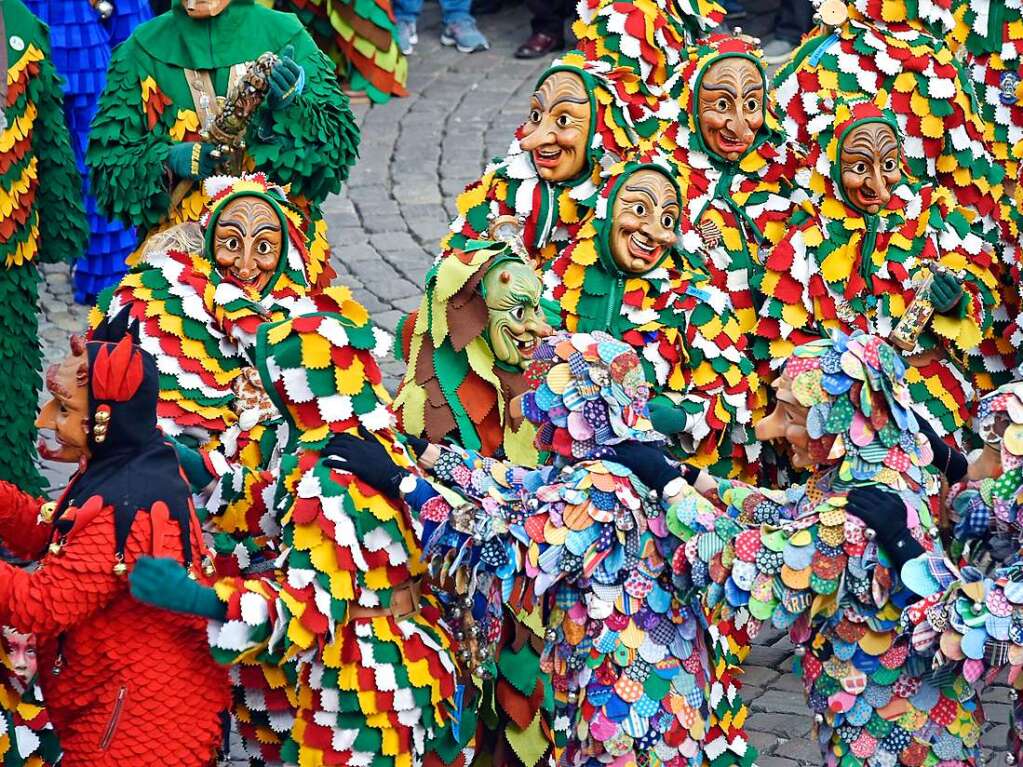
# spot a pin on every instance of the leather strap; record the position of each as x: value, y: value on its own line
x: 405, y: 602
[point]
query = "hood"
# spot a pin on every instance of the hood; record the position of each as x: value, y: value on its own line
x: 588, y: 393
x: 322, y: 374
x: 625, y: 113
x: 701, y: 56
x: 649, y: 37
x: 130, y: 466
x: 241, y: 32
x: 860, y: 418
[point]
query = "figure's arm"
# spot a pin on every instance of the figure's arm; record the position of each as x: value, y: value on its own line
x: 129, y: 143
x: 311, y: 139
x: 71, y: 583
x: 63, y: 230
x: 21, y: 528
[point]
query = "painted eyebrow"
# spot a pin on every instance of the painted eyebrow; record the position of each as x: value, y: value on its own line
x: 646, y: 192
x: 570, y: 100
x: 538, y: 95
x: 234, y: 224
x: 755, y: 86
x: 720, y: 87
x: 263, y: 228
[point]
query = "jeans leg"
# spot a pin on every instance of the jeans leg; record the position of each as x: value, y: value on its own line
x: 407, y: 10
x: 454, y: 11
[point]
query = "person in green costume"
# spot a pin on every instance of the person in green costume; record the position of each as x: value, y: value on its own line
x: 42, y: 221
x: 166, y: 84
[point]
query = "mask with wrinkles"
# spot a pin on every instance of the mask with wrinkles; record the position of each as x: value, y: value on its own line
x: 557, y: 131
x: 247, y: 242
x: 515, y: 322
x: 869, y: 162
x: 644, y: 218
x: 731, y: 106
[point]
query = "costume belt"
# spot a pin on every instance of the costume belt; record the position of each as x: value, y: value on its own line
x: 405, y: 602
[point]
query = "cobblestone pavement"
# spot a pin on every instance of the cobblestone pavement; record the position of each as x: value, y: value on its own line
x: 416, y: 155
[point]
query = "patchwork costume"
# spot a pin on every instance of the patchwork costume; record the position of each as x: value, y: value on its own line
x: 114, y: 671
x: 801, y: 561
x: 843, y: 268
x: 43, y: 223
x: 162, y: 91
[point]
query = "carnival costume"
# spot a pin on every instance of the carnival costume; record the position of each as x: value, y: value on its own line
x: 362, y: 39
x: 43, y: 222
x: 621, y: 116
x: 346, y: 608
x: 81, y: 44
x: 588, y: 540
x: 163, y: 93
x: 681, y: 326
x: 739, y: 205
x: 805, y: 560
x: 27, y: 737
x: 466, y: 347
x: 113, y: 671
x: 848, y: 269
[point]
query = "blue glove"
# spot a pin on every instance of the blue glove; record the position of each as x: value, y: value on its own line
x: 164, y: 583
x: 287, y: 81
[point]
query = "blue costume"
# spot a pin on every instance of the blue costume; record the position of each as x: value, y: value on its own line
x: 81, y: 42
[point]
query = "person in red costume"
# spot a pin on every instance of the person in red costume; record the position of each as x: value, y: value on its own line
x: 124, y: 683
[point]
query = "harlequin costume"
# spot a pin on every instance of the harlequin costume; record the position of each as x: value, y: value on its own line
x: 802, y: 561
x: 149, y: 108
x: 44, y: 223
x: 81, y: 46
x: 681, y: 326
x: 362, y: 39
x: 27, y: 737
x: 376, y: 680
x: 587, y: 539
x: 847, y: 269
x: 114, y: 671
x: 744, y: 202
x: 624, y: 117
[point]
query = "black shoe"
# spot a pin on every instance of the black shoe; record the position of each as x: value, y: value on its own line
x: 539, y: 44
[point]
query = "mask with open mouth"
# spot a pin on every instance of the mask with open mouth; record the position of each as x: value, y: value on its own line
x: 247, y: 242
x: 869, y: 160
x: 66, y: 414
x: 557, y: 132
x: 645, y: 216
x: 515, y: 323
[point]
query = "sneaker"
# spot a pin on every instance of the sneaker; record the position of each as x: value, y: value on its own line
x: 465, y: 36
x: 407, y: 36
x: 777, y: 51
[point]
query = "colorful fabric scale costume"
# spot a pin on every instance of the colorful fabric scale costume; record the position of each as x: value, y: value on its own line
x: 626, y: 656
x: 661, y: 302
x: 81, y: 46
x: 850, y: 269
x: 362, y: 39
x: 466, y: 347
x: 375, y: 670
x: 113, y: 671
x: 599, y: 112
x: 895, y: 47
x: 799, y: 560
x: 163, y: 90
x: 739, y: 203
x: 43, y: 222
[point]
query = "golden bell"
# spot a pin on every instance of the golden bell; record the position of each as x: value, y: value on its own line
x: 191, y: 575
x: 207, y: 567
x: 46, y: 511
x: 120, y: 569
x: 55, y: 547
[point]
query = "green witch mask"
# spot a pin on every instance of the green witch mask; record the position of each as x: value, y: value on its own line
x: 515, y: 323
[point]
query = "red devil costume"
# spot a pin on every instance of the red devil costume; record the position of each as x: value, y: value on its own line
x: 125, y: 683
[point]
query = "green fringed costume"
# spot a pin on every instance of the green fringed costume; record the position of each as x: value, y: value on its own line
x: 41, y: 220
x: 148, y: 107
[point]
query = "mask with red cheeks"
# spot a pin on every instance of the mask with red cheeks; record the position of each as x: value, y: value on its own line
x: 731, y: 106
x: 644, y: 218
x: 248, y: 242
x: 558, y: 129
x: 66, y: 414
x: 204, y: 9
x: 21, y: 652
x: 870, y: 166
x: 787, y: 423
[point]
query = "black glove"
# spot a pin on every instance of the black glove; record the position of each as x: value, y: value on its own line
x: 648, y: 462
x: 885, y: 514
x: 950, y: 462
x: 367, y: 459
x: 416, y: 445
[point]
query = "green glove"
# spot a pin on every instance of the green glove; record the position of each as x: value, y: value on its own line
x: 164, y: 583
x: 286, y: 80
x: 179, y: 160
x: 945, y: 291
x: 667, y: 417
x: 193, y: 464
